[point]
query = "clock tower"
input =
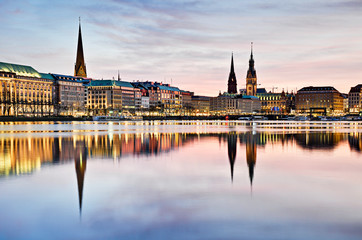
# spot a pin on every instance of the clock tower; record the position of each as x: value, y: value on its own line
x: 251, y: 83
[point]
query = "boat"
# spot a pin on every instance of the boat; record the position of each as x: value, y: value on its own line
x: 108, y: 118
x: 245, y: 118
x: 117, y: 118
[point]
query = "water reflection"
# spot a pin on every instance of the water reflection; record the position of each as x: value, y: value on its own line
x: 355, y: 141
x: 25, y: 155
x: 232, y: 139
x: 80, y: 161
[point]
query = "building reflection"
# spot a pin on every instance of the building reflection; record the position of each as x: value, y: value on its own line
x: 24, y: 155
x: 80, y: 161
x: 250, y: 140
x: 355, y: 141
x: 250, y: 155
x: 320, y: 140
x: 232, y: 139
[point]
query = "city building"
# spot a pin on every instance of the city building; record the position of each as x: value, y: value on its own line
x: 200, y: 105
x: 251, y: 79
x: 355, y: 99
x: 163, y: 98
x: 227, y: 104
x: 248, y: 104
x: 275, y: 103
x: 25, y: 91
x: 232, y: 84
x: 319, y: 101
x: 345, y: 103
x: 186, y: 98
x: 80, y: 68
x: 69, y: 95
x: 112, y: 97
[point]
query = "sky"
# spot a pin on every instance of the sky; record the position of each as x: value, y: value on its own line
x: 189, y: 42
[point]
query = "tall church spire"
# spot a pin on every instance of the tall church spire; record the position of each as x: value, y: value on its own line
x: 251, y: 80
x: 232, y: 78
x: 80, y: 69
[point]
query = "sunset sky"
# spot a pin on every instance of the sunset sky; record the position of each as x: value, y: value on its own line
x: 296, y: 43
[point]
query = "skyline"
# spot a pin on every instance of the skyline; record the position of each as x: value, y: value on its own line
x: 295, y: 44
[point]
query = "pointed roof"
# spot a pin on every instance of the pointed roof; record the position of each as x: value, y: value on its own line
x: 80, y: 69
x: 251, y: 71
x: 232, y: 63
x: 232, y: 85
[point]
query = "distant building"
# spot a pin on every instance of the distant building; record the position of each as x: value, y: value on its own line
x: 69, y: 95
x: 276, y: 103
x: 251, y: 80
x: 319, y: 100
x: 145, y: 102
x: 24, y: 91
x: 186, y: 98
x: 227, y: 104
x: 111, y: 97
x: 163, y: 97
x: 232, y: 85
x: 248, y: 104
x: 355, y: 99
x: 345, y: 102
x: 201, y: 105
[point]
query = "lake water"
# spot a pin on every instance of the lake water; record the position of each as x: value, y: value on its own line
x: 181, y: 180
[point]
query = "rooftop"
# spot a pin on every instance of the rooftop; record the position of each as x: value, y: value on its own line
x: 311, y: 88
x: 98, y: 83
x: 20, y: 70
x: 357, y: 88
x: 65, y: 77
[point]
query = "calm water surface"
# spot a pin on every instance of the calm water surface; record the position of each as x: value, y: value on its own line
x: 181, y: 180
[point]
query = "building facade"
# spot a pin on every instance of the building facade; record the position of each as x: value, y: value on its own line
x: 111, y: 97
x: 69, y: 96
x: 24, y: 91
x: 276, y: 103
x: 200, y: 105
x: 319, y: 100
x: 234, y: 105
x: 355, y: 99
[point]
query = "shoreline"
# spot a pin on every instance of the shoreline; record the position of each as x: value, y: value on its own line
x: 145, y: 118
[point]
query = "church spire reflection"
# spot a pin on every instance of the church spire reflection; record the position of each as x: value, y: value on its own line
x: 232, y: 139
x: 250, y: 155
x: 80, y: 161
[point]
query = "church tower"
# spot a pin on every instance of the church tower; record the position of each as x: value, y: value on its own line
x: 232, y: 78
x: 80, y: 70
x: 251, y: 83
